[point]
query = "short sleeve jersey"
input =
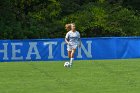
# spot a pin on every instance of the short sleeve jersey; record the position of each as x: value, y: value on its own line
x: 73, y: 37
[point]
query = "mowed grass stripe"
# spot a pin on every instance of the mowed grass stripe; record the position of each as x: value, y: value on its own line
x: 86, y: 76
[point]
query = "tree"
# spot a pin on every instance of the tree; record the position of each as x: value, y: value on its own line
x: 27, y: 19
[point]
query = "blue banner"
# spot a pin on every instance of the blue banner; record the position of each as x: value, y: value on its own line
x: 55, y: 49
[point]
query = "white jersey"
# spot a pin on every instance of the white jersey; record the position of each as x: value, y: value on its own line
x: 73, y: 37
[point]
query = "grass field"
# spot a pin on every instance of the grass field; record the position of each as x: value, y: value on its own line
x: 99, y: 76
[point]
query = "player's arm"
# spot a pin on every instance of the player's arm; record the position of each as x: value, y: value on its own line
x: 66, y: 38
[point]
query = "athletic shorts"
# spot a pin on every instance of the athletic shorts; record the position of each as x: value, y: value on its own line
x: 71, y: 47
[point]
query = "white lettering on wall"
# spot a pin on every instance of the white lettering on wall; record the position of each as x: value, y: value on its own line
x: 50, y: 48
x: 62, y: 50
x: 15, y: 51
x: 86, y: 51
x: 33, y: 46
x: 4, y: 51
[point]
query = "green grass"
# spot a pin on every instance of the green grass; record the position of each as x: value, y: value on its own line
x: 99, y: 76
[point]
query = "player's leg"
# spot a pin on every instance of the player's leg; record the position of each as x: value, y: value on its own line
x: 69, y: 49
x: 72, y: 56
x: 74, y: 47
x: 69, y: 54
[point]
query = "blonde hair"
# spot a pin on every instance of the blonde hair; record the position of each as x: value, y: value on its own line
x: 68, y: 27
x: 73, y: 24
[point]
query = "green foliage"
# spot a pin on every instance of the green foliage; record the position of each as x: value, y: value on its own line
x: 134, y: 4
x: 124, y: 22
x: 105, y: 20
x: 26, y: 19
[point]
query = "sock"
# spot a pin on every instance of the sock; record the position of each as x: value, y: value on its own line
x: 71, y: 59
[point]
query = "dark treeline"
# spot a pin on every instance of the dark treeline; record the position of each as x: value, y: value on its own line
x: 28, y: 19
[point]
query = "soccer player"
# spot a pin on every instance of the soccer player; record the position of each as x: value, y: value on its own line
x: 73, y: 41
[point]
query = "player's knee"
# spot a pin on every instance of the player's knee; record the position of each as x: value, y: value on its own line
x: 72, y: 54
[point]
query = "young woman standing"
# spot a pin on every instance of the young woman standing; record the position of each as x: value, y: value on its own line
x: 73, y: 41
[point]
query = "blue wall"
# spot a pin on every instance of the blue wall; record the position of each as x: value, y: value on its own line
x: 55, y: 49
